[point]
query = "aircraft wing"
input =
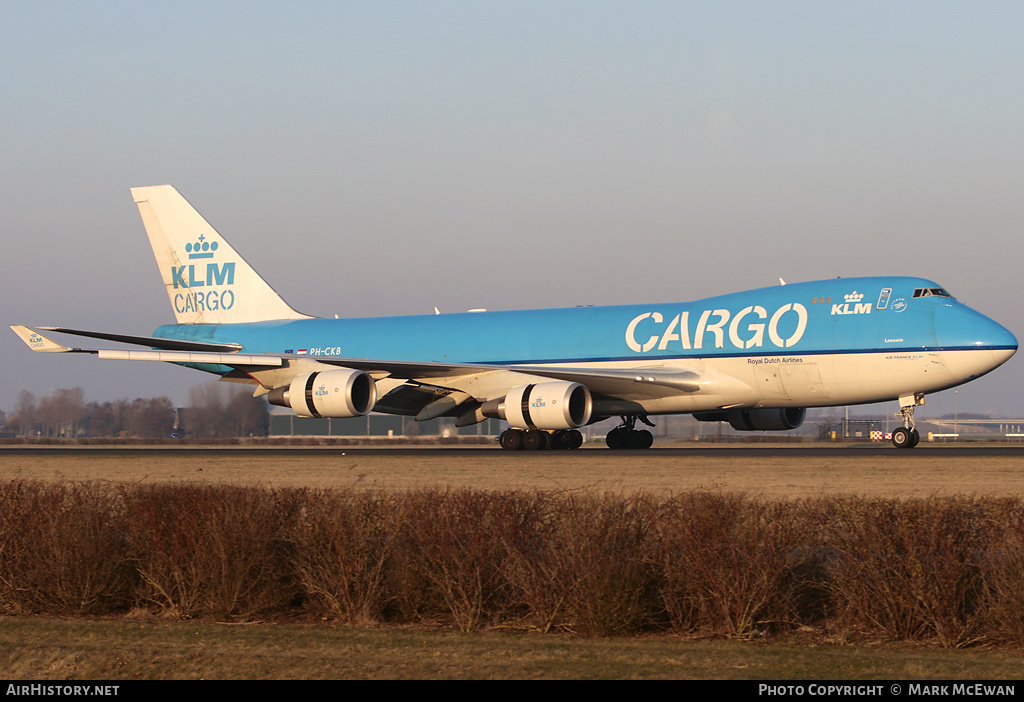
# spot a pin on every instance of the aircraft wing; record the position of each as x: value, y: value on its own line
x: 621, y: 381
x: 39, y: 342
x: 414, y: 384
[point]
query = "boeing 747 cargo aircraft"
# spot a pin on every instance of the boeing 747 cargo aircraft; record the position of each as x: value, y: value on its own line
x: 757, y: 359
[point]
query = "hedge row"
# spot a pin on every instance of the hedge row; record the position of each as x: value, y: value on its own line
x: 943, y: 569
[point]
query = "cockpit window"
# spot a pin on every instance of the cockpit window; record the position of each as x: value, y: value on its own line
x: 931, y: 292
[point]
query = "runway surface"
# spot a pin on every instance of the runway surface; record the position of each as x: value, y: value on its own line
x: 860, y: 450
x: 776, y: 471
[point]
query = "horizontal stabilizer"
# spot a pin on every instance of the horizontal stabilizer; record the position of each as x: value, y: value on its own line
x: 39, y: 342
x: 155, y: 342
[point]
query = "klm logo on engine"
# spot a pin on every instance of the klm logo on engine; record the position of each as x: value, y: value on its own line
x: 853, y: 305
x: 205, y: 273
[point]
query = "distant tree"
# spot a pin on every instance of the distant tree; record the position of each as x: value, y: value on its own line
x: 204, y: 415
x: 248, y: 415
x: 104, y: 419
x: 26, y: 414
x: 151, y: 418
x: 214, y: 411
x: 146, y: 418
x: 218, y: 410
x: 60, y: 413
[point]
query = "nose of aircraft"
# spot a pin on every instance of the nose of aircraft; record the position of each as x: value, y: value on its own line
x: 973, y: 343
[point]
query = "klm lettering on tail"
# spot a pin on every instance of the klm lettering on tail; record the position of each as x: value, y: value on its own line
x: 213, y: 275
x: 209, y: 301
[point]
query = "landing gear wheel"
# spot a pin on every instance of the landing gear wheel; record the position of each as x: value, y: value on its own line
x: 535, y: 440
x: 905, y: 438
x: 567, y: 439
x: 626, y: 436
x: 511, y: 439
x: 640, y: 439
x: 617, y: 438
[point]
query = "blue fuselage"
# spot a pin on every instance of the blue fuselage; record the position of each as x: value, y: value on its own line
x: 837, y: 316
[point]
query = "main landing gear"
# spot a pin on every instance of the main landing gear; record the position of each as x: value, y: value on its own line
x: 626, y: 436
x: 907, y: 436
x: 538, y: 440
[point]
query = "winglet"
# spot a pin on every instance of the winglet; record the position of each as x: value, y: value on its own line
x: 36, y: 341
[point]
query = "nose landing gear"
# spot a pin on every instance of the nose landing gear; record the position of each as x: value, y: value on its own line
x: 907, y: 436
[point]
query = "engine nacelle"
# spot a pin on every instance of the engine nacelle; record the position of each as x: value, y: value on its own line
x: 555, y: 405
x: 757, y: 419
x: 335, y: 393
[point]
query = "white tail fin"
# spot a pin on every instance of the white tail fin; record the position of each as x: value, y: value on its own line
x: 206, y: 280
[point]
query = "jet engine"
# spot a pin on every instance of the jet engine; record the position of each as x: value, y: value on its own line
x: 757, y: 419
x: 335, y: 393
x: 555, y: 405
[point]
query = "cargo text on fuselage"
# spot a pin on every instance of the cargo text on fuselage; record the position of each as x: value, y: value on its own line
x: 745, y: 329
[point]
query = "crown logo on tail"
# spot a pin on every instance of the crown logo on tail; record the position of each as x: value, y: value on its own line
x: 201, y: 249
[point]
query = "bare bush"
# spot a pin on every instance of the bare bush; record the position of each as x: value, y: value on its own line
x: 342, y: 543
x: 1003, y: 571
x: 590, y: 576
x: 911, y: 569
x: 61, y: 549
x: 731, y: 565
x: 209, y: 550
x: 454, y: 550
x: 949, y: 570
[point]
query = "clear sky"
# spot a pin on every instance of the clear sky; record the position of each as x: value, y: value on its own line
x: 373, y: 158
